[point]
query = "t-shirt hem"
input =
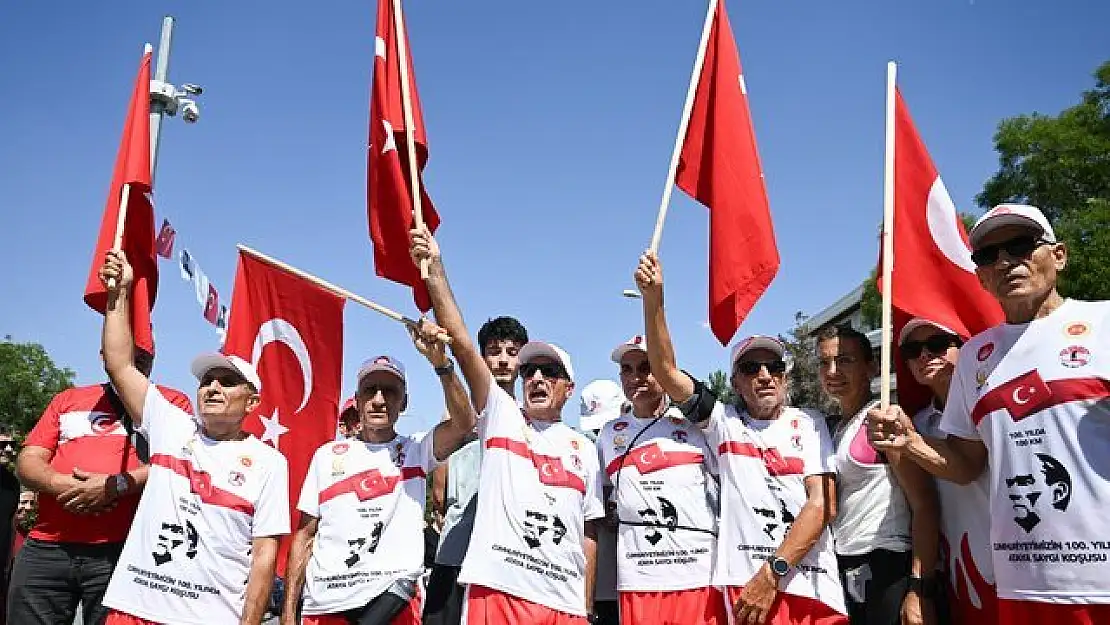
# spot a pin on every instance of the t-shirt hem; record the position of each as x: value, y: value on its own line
x: 725, y: 584
x: 538, y: 600
x: 872, y: 546
x: 1073, y: 598
x: 666, y: 587
x: 176, y: 618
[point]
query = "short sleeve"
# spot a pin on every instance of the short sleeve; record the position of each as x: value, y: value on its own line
x: 309, y: 501
x: 501, y: 416
x: 956, y: 419
x: 592, y: 505
x: 819, y: 456
x: 177, y: 398
x: 164, y: 425
x: 425, y: 451
x: 271, y: 512
x: 48, y: 429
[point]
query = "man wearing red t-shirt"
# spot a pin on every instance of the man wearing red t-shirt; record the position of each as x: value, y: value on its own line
x: 82, y: 459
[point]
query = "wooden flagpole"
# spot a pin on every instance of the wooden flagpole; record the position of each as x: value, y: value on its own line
x: 410, y: 124
x: 888, y: 239
x: 683, y: 124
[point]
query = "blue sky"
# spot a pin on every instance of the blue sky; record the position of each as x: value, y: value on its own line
x: 550, y: 126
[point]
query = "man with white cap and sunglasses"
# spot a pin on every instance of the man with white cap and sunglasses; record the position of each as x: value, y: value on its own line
x: 532, y: 554
x: 1032, y: 396
x: 662, y: 494
x: 203, y: 545
x: 775, y: 553
x: 362, y: 503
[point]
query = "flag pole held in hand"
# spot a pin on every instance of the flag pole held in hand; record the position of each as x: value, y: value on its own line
x: 338, y: 290
x: 410, y: 124
x: 683, y: 124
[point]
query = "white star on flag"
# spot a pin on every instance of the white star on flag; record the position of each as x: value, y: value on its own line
x: 379, y: 47
x: 390, y: 141
x: 274, y: 429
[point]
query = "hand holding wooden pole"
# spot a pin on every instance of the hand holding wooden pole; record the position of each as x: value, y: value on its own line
x: 121, y: 222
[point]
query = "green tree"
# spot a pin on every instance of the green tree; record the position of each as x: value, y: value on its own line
x: 719, y: 384
x: 1061, y: 164
x: 801, y: 350
x: 28, y: 380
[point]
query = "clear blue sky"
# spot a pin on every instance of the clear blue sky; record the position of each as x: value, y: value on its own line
x: 550, y: 123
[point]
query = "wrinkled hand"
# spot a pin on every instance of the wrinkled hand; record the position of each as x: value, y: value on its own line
x: 917, y: 611
x: 431, y: 341
x: 116, y: 273
x: 649, y: 276
x: 889, y: 430
x: 89, y: 494
x: 754, y: 605
x: 423, y: 246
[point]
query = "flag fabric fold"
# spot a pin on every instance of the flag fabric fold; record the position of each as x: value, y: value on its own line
x: 389, y: 192
x: 934, y: 276
x: 132, y: 169
x: 719, y: 167
x: 292, y: 331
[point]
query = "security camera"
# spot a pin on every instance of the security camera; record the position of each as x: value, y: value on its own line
x: 192, y: 89
x: 190, y: 112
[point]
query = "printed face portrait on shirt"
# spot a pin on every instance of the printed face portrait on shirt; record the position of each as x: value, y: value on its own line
x: 380, y: 399
x: 1020, y: 276
x: 844, y: 368
x: 764, y: 390
x: 637, y: 382
x: 225, y: 397
x: 1029, y: 491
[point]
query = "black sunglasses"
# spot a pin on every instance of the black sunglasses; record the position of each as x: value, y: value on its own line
x: 752, y: 367
x: 937, y: 344
x: 1017, y: 247
x: 644, y: 368
x: 547, y: 370
x: 227, y: 379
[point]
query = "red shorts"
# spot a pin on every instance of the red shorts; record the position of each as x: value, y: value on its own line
x: 697, y: 606
x: 485, y: 606
x: 1014, y: 612
x: 115, y: 617
x: 409, y: 616
x: 790, y: 609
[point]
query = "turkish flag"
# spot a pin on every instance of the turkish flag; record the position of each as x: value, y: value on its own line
x: 719, y: 167
x: 389, y: 192
x: 163, y: 245
x: 132, y: 168
x: 934, y: 277
x: 292, y: 330
x: 212, y: 305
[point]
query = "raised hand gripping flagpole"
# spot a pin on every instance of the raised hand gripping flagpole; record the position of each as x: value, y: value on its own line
x: 683, y: 124
x: 410, y: 129
x: 888, y: 239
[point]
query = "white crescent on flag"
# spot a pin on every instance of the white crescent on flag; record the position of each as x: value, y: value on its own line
x: 284, y: 332
x: 943, y: 220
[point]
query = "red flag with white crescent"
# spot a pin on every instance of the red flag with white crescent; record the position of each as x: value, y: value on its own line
x: 292, y: 330
x: 389, y: 192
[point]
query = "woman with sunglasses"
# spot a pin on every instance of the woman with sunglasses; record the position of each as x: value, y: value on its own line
x: 886, y: 528
x: 930, y: 351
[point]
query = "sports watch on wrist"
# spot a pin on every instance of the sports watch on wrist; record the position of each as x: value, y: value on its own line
x: 119, y: 484
x: 779, y: 566
x: 445, y: 369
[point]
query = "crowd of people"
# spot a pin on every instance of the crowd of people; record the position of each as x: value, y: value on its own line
x: 668, y: 506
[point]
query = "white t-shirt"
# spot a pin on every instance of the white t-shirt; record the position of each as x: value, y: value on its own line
x: 965, y: 525
x: 660, y: 470
x: 872, y: 511
x: 1038, y: 396
x: 539, y: 484
x: 369, y: 499
x: 763, y: 468
x: 187, y: 557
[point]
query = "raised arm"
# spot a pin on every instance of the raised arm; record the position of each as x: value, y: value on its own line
x: 117, y: 343
x: 954, y: 459
x: 448, y: 435
x: 449, y: 317
x: 649, y: 278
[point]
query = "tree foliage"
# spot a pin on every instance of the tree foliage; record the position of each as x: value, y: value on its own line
x: 801, y: 351
x: 719, y: 384
x: 28, y: 380
x: 1061, y: 164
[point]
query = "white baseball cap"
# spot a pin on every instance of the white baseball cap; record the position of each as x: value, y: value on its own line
x: 536, y: 349
x: 920, y: 322
x: 1011, y: 214
x: 389, y: 364
x: 206, y: 362
x: 636, y: 343
x: 758, y: 341
x: 602, y: 401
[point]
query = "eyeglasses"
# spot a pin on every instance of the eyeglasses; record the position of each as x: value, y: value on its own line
x: 936, y: 344
x: 752, y: 367
x: 644, y: 368
x: 388, y: 391
x: 227, y: 379
x: 546, y: 369
x: 1017, y: 247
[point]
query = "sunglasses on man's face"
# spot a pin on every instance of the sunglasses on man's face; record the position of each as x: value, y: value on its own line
x: 644, y: 368
x: 226, y: 379
x: 550, y: 370
x: 936, y: 344
x: 752, y: 367
x: 1017, y: 247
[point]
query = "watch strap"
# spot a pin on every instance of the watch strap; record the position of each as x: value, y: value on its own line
x: 446, y: 369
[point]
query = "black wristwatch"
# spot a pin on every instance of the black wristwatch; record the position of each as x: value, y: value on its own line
x: 926, y: 587
x: 592, y: 619
x: 445, y: 369
x: 779, y: 566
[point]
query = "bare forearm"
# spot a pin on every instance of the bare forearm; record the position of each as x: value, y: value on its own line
x: 137, y: 477
x: 299, y: 553
x: 259, y: 583
x: 920, y: 492
x: 940, y: 458
x: 589, y: 546
x: 450, y: 433
x: 36, y: 473
x: 116, y: 339
x: 450, y: 318
x: 804, y: 533
x: 661, y: 353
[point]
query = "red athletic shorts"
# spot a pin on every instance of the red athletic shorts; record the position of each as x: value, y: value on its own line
x: 115, y: 617
x: 1014, y: 612
x: 697, y: 606
x: 409, y: 616
x: 793, y: 610
x: 485, y: 606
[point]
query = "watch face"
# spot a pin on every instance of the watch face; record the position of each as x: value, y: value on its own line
x: 780, y: 566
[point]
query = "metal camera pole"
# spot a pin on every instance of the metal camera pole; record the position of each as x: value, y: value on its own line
x: 157, y: 104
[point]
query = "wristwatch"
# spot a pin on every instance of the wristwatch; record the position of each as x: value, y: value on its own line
x: 779, y: 566
x: 445, y: 369
x: 119, y: 484
x: 925, y: 587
